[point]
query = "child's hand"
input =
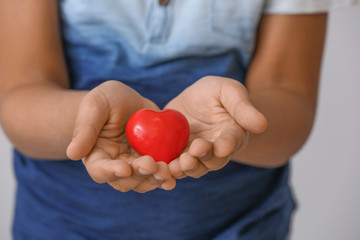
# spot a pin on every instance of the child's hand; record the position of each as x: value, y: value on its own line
x: 100, y: 141
x: 220, y: 115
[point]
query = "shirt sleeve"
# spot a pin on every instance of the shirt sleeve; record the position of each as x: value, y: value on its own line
x: 305, y: 6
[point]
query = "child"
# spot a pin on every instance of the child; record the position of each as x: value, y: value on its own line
x: 233, y: 68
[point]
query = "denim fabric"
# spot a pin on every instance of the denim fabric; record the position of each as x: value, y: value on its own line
x: 142, y: 40
x: 159, y: 51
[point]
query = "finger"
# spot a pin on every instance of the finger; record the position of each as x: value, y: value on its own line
x: 200, y: 148
x: 168, y: 184
x: 187, y: 162
x: 126, y: 184
x: 164, y: 174
x: 229, y: 141
x: 235, y: 99
x: 105, y: 170
x: 154, y: 181
x: 148, y: 184
x: 141, y: 180
x: 203, y: 150
x: 163, y: 171
x: 175, y: 169
x: 91, y: 117
x: 198, y: 168
x: 144, y: 165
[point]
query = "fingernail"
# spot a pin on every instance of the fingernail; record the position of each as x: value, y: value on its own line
x: 143, y: 172
x: 158, y: 177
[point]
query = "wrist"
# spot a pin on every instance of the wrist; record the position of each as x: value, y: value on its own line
x: 38, y: 119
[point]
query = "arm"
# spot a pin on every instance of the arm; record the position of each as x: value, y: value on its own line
x: 283, y: 82
x: 37, y: 110
x: 40, y: 114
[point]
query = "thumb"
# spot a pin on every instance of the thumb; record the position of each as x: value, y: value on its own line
x: 92, y: 115
x: 235, y: 98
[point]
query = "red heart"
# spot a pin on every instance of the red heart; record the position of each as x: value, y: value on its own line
x: 161, y: 135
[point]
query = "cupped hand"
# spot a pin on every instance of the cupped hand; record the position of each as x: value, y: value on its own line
x: 221, y: 116
x: 99, y: 139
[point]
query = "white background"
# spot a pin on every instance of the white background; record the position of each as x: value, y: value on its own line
x: 325, y: 172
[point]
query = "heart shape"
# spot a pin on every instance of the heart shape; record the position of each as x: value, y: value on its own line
x: 161, y: 135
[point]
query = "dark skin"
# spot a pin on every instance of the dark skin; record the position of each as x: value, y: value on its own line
x: 40, y: 114
x: 282, y: 83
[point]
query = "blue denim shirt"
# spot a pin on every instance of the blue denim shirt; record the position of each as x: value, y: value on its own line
x: 159, y: 51
x: 135, y: 41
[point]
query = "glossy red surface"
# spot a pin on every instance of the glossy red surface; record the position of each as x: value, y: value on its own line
x: 161, y: 135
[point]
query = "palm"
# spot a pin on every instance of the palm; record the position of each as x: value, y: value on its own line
x: 100, y: 141
x: 220, y: 114
x: 209, y: 123
x: 112, y: 144
x: 103, y: 117
x: 206, y: 113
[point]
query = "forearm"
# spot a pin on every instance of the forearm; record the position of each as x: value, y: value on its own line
x: 38, y: 118
x: 290, y: 119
